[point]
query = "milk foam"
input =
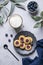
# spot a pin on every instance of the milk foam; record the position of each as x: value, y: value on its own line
x: 16, y: 21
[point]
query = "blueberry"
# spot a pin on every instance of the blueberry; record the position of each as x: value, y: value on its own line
x: 31, y: 10
x: 9, y: 40
x: 11, y: 35
x: 6, y: 35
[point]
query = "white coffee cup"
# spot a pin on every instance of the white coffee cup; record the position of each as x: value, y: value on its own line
x: 16, y: 21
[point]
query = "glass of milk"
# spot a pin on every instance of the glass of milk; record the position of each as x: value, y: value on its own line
x: 16, y: 21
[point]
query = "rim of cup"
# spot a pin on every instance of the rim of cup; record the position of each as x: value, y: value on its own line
x: 13, y: 16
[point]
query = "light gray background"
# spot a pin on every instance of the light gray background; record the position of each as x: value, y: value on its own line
x: 5, y: 57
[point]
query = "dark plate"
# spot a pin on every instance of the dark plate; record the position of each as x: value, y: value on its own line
x: 24, y: 52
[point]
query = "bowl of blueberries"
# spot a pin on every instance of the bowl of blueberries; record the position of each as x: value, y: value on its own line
x: 32, y: 7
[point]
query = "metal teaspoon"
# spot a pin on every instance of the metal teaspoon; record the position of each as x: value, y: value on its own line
x: 6, y: 47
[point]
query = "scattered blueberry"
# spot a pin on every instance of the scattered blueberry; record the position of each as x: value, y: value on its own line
x: 32, y: 6
x: 9, y: 40
x: 11, y: 35
x: 6, y: 35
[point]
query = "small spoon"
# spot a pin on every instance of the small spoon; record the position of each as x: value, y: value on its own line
x: 6, y: 47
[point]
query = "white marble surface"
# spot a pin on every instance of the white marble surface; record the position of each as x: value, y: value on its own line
x: 5, y: 57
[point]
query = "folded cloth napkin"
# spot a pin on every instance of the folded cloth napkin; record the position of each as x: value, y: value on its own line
x: 37, y: 60
x: 28, y: 61
x: 39, y: 48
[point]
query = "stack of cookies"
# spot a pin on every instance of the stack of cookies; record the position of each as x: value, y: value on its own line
x: 24, y: 42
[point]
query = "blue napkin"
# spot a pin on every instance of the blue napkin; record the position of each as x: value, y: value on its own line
x: 36, y: 60
x: 40, y: 48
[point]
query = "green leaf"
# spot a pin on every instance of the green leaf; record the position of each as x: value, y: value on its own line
x: 1, y: 20
x: 6, y: 2
x: 13, y: 1
x: 42, y: 13
x: 41, y: 23
x: 1, y: 6
x: 37, y: 25
x: 12, y: 8
x: 18, y: 1
x: 36, y: 18
x: 20, y: 6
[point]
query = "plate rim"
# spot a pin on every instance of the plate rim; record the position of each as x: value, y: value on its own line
x: 28, y: 53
